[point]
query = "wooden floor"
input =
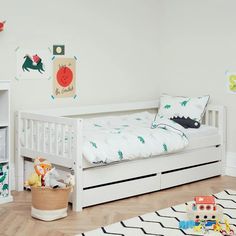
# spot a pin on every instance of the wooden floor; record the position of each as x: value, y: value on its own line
x: 15, y: 217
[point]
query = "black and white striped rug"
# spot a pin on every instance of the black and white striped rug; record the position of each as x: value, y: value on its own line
x: 166, y: 222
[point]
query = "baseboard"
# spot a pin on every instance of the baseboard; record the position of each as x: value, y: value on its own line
x: 231, y: 164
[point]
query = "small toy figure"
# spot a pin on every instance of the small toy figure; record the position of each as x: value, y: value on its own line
x: 51, y: 179
x: 186, y: 224
x: 41, y: 167
x: 197, y: 228
x: 217, y: 227
x: 228, y: 230
x: 34, y: 180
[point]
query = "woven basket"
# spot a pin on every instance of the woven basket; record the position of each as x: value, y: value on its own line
x: 49, y: 204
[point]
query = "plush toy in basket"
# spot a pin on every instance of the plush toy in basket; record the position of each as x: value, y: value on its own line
x: 50, y: 194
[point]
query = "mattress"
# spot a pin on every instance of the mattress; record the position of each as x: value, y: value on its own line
x: 204, y: 136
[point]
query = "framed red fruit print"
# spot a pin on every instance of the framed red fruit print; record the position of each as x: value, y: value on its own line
x: 64, y: 77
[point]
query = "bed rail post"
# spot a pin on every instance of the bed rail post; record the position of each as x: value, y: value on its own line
x: 222, y: 130
x: 19, y: 158
x: 77, y: 166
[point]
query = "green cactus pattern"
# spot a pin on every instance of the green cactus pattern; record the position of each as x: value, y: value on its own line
x: 167, y: 106
x: 93, y: 144
x: 184, y: 103
x: 165, y: 147
x: 163, y: 127
x: 141, y: 139
x: 120, y: 154
x: 5, y: 187
x: 3, y: 177
x: 96, y: 125
x: 4, y: 180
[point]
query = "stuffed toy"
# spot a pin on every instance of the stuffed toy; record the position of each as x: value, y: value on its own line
x: 41, y: 167
x: 51, y: 179
x: 70, y: 181
x: 34, y: 180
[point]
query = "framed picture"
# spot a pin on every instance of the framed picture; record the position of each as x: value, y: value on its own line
x: 231, y: 82
x: 33, y: 64
x: 64, y: 77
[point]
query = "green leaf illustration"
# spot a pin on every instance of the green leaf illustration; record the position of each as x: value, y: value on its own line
x: 163, y: 127
x: 167, y: 106
x: 94, y: 144
x: 165, y: 147
x: 5, y: 187
x: 184, y: 103
x: 96, y: 125
x: 120, y: 154
x: 141, y: 139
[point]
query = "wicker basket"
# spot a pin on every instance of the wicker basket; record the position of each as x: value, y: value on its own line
x: 49, y: 204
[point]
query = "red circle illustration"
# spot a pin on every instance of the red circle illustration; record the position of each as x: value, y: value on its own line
x: 64, y: 76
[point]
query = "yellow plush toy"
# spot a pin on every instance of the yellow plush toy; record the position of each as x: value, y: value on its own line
x: 34, y: 180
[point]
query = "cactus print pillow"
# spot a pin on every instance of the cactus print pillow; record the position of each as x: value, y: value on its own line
x: 176, y: 106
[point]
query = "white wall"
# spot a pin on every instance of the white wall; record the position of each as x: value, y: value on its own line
x: 115, y: 41
x: 198, y: 47
x: 128, y: 50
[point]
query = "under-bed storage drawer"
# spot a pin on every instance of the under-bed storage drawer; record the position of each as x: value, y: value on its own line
x: 178, y: 177
x: 110, y: 192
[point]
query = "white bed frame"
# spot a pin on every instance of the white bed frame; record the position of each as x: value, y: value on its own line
x: 115, y: 181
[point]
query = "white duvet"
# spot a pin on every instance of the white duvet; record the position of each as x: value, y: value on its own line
x: 115, y: 138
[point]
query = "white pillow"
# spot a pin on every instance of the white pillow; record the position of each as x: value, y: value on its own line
x: 173, y: 106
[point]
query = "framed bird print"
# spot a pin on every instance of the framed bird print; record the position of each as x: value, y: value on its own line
x: 33, y: 64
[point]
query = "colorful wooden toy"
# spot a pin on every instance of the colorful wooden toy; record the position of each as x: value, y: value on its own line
x: 204, y: 209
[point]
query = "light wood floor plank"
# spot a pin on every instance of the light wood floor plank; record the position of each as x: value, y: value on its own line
x: 15, y: 219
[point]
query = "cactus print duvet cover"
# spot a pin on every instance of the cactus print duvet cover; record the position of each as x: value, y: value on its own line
x: 116, y: 138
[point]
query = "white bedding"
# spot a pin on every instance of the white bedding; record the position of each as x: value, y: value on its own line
x: 114, y: 138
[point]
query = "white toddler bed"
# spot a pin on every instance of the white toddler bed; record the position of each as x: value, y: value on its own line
x: 57, y: 135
